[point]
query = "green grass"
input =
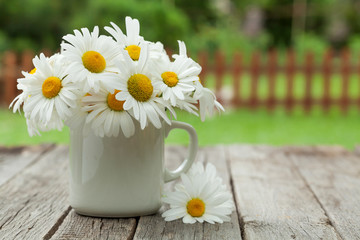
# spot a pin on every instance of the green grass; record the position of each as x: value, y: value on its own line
x: 240, y: 126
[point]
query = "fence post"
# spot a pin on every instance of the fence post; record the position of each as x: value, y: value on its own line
x: 236, y: 73
x: 290, y: 72
x: 255, y: 72
x: 326, y: 72
x: 168, y: 51
x: 219, y: 74
x: 204, y: 63
x: 10, y: 73
x: 26, y: 60
x: 48, y: 53
x: 309, y: 70
x: 271, y: 72
x: 345, y: 71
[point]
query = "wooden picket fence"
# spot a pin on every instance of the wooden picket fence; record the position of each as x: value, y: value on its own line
x: 339, y: 63
x: 332, y: 64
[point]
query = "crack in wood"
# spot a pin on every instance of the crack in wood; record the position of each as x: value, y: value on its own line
x: 56, y: 226
x: 327, y: 220
x: 240, y: 218
x: 14, y: 216
x: 133, y: 230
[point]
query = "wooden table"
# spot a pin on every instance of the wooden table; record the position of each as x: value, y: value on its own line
x: 280, y: 193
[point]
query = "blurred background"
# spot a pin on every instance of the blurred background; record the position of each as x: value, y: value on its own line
x: 287, y: 71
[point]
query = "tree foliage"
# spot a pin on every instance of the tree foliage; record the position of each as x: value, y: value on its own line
x: 41, y: 23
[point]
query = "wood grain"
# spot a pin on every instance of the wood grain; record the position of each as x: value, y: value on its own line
x: 34, y: 202
x: 272, y: 197
x: 335, y: 180
x: 280, y: 193
x: 14, y: 159
x: 228, y: 230
x: 76, y: 226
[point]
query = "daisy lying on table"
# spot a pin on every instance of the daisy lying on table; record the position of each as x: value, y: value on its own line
x: 201, y: 197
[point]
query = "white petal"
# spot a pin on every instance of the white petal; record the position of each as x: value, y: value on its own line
x: 188, y: 219
x: 179, y: 212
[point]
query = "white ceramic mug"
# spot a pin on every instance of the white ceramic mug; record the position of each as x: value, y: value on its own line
x: 123, y: 177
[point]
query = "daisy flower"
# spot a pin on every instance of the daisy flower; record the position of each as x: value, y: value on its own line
x: 138, y: 93
x: 188, y: 104
x: 201, y: 197
x: 174, y: 79
x: 34, y: 126
x: 21, y: 98
x: 209, y: 171
x: 107, y: 115
x: 92, y: 58
x: 207, y: 100
x: 78, y: 117
x: 132, y: 41
x: 157, y: 52
x: 183, y: 53
x: 50, y: 92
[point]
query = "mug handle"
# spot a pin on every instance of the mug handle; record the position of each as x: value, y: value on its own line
x: 193, y: 146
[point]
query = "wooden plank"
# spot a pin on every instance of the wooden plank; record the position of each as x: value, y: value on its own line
x: 228, y: 230
x: 154, y: 227
x: 272, y: 197
x: 33, y: 203
x: 15, y: 159
x: 75, y: 226
x: 357, y: 150
x: 335, y: 180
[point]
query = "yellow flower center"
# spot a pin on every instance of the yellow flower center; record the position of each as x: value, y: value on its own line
x: 93, y: 61
x: 170, y: 78
x: 113, y: 103
x: 196, y: 207
x: 33, y: 71
x: 134, y: 52
x: 51, y: 87
x: 140, y: 87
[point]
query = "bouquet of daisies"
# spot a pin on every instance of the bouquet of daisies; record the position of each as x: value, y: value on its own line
x: 106, y: 84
